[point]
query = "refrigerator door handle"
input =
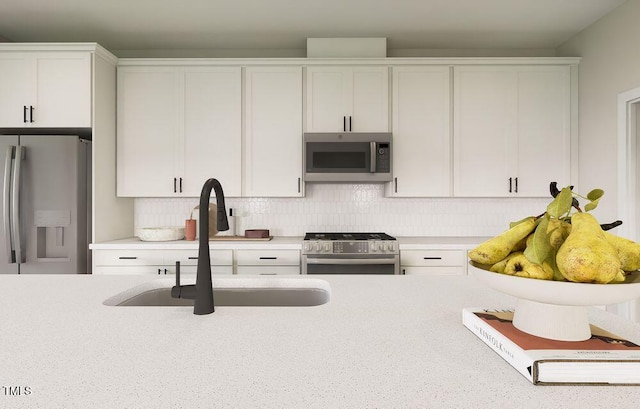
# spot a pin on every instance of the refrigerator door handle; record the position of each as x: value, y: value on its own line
x: 6, y: 203
x: 15, y: 199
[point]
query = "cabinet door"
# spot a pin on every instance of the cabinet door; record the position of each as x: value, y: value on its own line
x: 16, y: 74
x: 485, y: 130
x: 147, y: 125
x: 273, y: 131
x: 63, y: 90
x: 421, y: 132
x: 327, y: 110
x: 369, y: 99
x: 212, y: 129
x: 544, y: 132
x: 351, y: 99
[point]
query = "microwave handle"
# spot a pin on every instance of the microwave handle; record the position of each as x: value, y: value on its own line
x: 374, y: 150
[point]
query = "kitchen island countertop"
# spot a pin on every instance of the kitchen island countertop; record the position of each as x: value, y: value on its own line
x: 381, y: 341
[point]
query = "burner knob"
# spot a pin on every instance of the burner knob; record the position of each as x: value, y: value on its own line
x: 327, y: 247
x: 392, y: 246
x: 317, y: 247
x: 373, y: 246
x: 307, y: 247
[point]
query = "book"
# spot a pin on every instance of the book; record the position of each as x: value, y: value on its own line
x: 604, y: 359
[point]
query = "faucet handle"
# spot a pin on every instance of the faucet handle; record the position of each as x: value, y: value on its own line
x: 177, y: 274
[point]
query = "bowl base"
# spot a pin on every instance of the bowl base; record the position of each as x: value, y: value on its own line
x: 558, y: 322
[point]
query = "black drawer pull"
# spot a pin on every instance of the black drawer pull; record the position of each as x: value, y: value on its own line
x: 193, y: 258
x: 432, y: 258
x: 127, y: 258
x: 268, y: 274
x: 268, y: 258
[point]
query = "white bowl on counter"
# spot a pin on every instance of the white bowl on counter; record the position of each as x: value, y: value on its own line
x: 170, y: 233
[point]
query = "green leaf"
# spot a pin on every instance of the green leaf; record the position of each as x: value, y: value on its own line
x: 595, y: 194
x: 591, y: 205
x: 513, y: 224
x: 561, y: 205
x: 540, y: 247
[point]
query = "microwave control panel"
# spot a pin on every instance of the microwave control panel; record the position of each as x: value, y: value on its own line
x: 383, y: 158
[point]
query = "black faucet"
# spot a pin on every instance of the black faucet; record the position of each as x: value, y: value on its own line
x: 202, y: 291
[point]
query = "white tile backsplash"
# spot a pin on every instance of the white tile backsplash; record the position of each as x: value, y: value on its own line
x: 355, y: 208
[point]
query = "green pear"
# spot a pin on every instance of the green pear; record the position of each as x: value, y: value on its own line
x: 500, y: 265
x: 558, y: 232
x: 520, y: 266
x: 499, y: 247
x: 586, y: 256
x: 628, y: 251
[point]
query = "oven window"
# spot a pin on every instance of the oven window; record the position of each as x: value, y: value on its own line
x: 350, y: 269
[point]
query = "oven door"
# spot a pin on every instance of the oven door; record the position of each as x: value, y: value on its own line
x: 333, y: 264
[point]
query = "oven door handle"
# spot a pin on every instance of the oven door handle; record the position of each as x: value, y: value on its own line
x: 364, y: 261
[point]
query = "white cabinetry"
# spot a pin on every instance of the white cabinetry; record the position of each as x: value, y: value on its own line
x: 511, y: 130
x: 433, y: 262
x: 45, y: 89
x: 158, y: 261
x: 352, y: 99
x: 421, y: 131
x: 267, y: 262
x: 273, y: 131
x: 177, y: 127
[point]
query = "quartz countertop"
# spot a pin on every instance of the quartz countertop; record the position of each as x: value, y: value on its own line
x: 285, y: 242
x: 381, y: 341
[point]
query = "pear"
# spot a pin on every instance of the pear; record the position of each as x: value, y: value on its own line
x: 586, y: 255
x: 628, y: 251
x: 500, y: 265
x: 520, y: 266
x: 499, y: 247
x: 558, y: 232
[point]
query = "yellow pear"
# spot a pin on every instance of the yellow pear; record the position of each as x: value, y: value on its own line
x: 500, y: 265
x: 586, y: 256
x: 499, y: 247
x: 628, y: 251
x: 520, y: 266
x: 558, y: 232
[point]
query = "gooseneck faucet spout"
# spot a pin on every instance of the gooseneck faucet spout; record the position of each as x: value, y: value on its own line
x: 202, y: 292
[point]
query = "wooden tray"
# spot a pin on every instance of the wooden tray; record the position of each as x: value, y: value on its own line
x: 239, y: 238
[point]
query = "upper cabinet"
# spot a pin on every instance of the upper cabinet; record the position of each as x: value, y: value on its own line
x: 347, y: 99
x: 421, y: 132
x: 45, y: 89
x: 512, y: 130
x: 273, y: 131
x: 178, y: 127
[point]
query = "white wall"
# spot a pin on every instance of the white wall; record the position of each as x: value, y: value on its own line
x: 610, y: 65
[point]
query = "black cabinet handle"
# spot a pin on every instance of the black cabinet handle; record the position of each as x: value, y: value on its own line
x: 159, y: 271
x: 516, y: 185
x: 127, y: 258
x: 268, y: 274
x: 177, y: 274
x: 180, y: 185
x: 31, y: 114
x: 299, y: 182
x: 24, y: 114
x: 510, y: 181
x: 193, y: 258
x: 165, y: 271
x: 175, y: 181
x: 344, y: 123
x: 432, y: 258
x: 395, y: 181
x: 350, y: 129
x: 268, y: 258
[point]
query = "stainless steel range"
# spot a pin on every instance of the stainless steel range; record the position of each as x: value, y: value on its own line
x: 350, y: 253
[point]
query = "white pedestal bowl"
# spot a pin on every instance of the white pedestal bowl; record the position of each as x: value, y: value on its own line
x: 556, y: 309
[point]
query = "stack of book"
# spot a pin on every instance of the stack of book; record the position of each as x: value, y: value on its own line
x: 604, y: 359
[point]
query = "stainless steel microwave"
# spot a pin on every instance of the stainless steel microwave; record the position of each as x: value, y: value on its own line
x: 347, y: 157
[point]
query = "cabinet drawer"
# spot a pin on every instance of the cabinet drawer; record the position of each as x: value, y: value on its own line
x: 128, y: 257
x: 268, y: 270
x: 190, y: 257
x: 267, y: 257
x: 115, y: 270
x: 430, y: 258
x: 458, y: 270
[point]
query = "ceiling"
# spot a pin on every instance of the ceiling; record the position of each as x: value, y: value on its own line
x: 285, y: 24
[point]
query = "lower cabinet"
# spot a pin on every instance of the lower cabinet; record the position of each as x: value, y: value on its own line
x: 267, y: 262
x: 158, y: 261
x: 162, y: 262
x: 433, y: 262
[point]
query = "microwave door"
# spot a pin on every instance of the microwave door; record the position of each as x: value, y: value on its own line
x: 338, y: 157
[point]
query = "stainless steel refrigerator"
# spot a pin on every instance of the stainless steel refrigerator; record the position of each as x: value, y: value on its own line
x: 46, y: 204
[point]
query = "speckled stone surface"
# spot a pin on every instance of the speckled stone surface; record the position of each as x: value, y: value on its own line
x: 380, y: 342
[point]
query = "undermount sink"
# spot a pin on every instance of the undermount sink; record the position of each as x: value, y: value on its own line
x: 256, y: 292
